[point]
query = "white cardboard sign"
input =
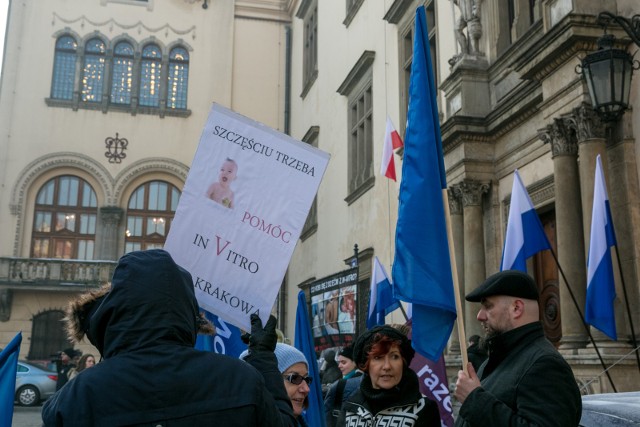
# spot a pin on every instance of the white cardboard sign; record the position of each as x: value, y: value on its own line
x: 241, y: 212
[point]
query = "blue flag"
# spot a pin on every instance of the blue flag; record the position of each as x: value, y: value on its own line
x: 314, y: 415
x: 422, y: 268
x: 525, y: 236
x: 225, y: 341
x: 381, y: 299
x: 601, y: 291
x: 8, y: 370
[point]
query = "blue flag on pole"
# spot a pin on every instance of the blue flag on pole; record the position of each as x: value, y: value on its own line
x: 8, y: 370
x: 601, y: 291
x: 314, y: 415
x: 525, y: 236
x: 225, y: 341
x: 422, y: 267
x: 381, y: 299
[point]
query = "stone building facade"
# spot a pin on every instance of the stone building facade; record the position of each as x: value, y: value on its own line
x: 329, y: 73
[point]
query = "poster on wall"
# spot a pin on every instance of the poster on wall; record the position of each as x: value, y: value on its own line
x: 245, y: 201
x: 333, y: 309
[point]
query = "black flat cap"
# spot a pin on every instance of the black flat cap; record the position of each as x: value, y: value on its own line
x: 512, y: 283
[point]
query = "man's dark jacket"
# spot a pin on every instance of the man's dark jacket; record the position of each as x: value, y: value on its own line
x: 145, y: 329
x: 525, y: 382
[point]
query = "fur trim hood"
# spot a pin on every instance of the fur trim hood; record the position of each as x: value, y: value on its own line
x: 149, y: 299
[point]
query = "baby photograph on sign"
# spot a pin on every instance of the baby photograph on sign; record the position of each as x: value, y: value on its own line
x: 245, y: 201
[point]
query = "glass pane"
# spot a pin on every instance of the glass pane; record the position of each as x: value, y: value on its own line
x: 156, y: 225
x: 65, y: 221
x: 87, y: 224
x: 41, y: 248
x: 150, y: 69
x: 178, y: 78
x: 45, y: 195
x: 43, y: 222
x: 131, y: 246
x: 175, y: 198
x: 68, y: 191
x: 153, y: 246
x: 88, y: 196
x: 63, y: 249
x: 122, y: 74
x: 134, y: 226
x: 93, y: 71
x: 137, y: 199
x: 85, y: 249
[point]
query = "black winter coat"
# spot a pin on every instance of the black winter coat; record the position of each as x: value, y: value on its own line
x: 402, y: 405
x: 145, y: 329
x: 525, y: 382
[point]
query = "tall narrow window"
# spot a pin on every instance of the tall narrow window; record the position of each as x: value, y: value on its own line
x: 308, y: 12
x: 361, y: 139
x: 122, y: 73
x: 64, y: 221
x: 150, y: 211
x: 93, y: 71
x: 64, y: 68
x: 150, y: 76
x: 178, y: 78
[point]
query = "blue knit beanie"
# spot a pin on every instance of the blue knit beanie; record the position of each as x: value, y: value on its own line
x: 288, y: 356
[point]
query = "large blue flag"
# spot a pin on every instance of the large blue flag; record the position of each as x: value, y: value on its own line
x: 8, y: 370
x: 601, y: 291
x: 525, y: 236
x: 314, y: 415
x: 422, y: 268
x: 225, y: 341
x: 381, y: 299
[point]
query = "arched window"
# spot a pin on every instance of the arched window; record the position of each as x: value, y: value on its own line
x: 150, y: 68
x: 47, y: 335
x: 93, y: 70
x: 64, y: 68
x: 122, y: 73
x: 64, y: 221
x: 149, y: 214
x: 178, y: 79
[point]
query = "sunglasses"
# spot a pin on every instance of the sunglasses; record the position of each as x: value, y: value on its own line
x: 297, y: 379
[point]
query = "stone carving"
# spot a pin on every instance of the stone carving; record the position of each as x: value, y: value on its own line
x: 561, y: 137
x: 586, y: 123
x: 470, y: 19
x: 470, y: 191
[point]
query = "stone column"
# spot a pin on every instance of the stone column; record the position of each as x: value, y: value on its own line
x: 591, y: 142
x: 110, y: 217
x: 569, y: 231
x: 457, y: 228
x: 471, y: 192
x: 624, y: 198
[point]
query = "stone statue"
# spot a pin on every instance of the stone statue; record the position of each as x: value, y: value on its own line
x: 469, y: 19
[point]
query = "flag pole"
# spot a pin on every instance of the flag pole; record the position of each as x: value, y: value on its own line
x: 456, y: 286
x: 626, y: 301
x: 584, y: 323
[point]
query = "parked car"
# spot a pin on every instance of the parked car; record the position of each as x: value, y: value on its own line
x: 34, y: 384
x: 611, y: 409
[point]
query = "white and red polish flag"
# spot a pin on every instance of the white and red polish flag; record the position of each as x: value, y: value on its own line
x: 392, y: 142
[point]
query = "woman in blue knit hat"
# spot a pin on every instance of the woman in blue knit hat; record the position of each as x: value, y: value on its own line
x: 389, y: 392
x: 295, y: 371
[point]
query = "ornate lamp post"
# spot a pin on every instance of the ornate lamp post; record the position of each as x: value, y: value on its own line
x: 608, y: 71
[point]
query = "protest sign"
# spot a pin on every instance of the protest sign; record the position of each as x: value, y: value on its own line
x: 241, y: 212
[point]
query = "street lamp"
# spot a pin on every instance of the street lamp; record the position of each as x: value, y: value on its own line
x: 608, y: 71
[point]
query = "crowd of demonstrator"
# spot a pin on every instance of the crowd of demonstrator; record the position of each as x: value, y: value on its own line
x: 144, y: 325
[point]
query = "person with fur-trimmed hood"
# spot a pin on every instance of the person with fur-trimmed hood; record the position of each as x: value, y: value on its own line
x: 144, y: 325
x: 389, y: 392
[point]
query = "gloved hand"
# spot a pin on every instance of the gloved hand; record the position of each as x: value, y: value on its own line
x: 262, y: 339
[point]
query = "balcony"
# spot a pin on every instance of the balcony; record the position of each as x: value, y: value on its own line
x: 53, y: 274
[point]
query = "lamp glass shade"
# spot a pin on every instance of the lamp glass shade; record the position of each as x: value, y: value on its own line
x: 608, y: 76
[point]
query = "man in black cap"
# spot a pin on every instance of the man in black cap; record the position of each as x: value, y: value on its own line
x: 525, y: 381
